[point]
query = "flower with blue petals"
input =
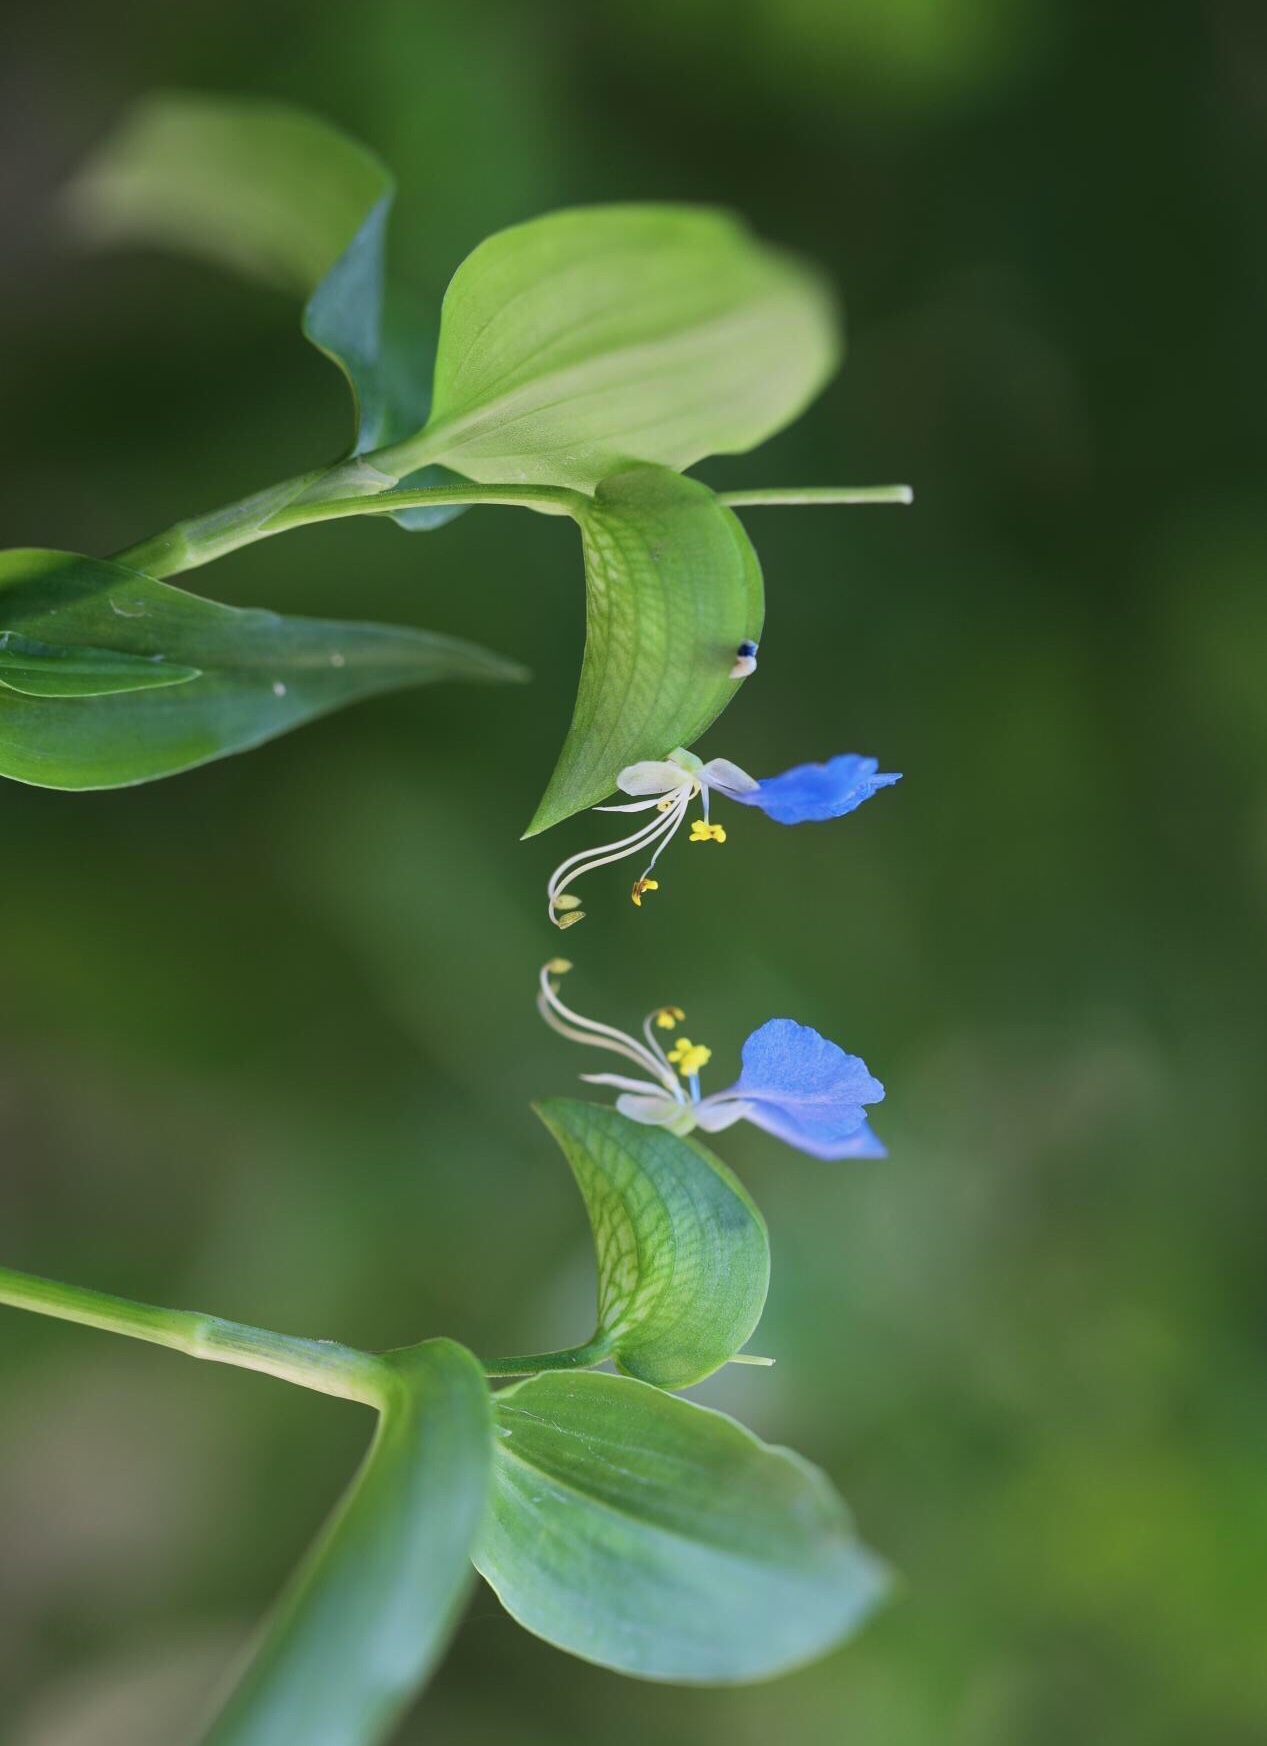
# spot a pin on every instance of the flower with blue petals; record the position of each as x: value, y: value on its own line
x: 794, y: 1083
x: 666, y: 788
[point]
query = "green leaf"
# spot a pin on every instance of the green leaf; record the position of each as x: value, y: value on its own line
x: 270, y: 191
x: 258, y: 674
x: 683, y: 1255
x: 48, y: 670
x: 577, y: 343
x: 648, y: 1534
x: 278, y: 195
x: 370, y: 1610
x: 672, y: 587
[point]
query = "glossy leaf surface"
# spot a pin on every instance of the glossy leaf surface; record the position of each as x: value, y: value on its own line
x: 672, y: 587
x: 369, y: 1612
x: 653, y: 1536
x: 278, y: 195
x: 50, y: 670
x: 577, y: 343
x: 258, y: 674
x: 682, y: 1251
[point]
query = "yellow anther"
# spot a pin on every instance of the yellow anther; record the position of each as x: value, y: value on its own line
x: 689, y: 1057
x: 706, y: 833
x: 567, y: 900
x: 558, y: 966
x: 641, y: 885
x: 669, y: 1017
x: 568, y: 917
x: 667, y: 804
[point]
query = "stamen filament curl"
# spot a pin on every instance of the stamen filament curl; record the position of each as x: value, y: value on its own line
x: 658, y: 830
x: 577, y: 1029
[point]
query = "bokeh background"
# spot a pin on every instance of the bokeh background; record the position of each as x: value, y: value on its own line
x: 266, y: 1031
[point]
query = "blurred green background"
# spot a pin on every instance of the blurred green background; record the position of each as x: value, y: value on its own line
x: 267, y: 1029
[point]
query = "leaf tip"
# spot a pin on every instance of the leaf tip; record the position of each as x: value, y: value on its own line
x: 547, y: 815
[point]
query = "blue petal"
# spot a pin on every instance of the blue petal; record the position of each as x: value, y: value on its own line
x: 805, y: 1090
x: 862, y: 1143
x: 817, y: 791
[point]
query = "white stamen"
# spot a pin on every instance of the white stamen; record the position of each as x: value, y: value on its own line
x: 653, y: 1040
x: 661, y: 827
x: 563, y: 874
x: 673, y: 820
x: 570, y: 1024
x: 621, y: 1083
x: 577, y: 1034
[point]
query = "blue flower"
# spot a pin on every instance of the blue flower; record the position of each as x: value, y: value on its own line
x: 666, y: 787
x: 803, y: 1089
x: 818, y: 791
x: 795, y: 1084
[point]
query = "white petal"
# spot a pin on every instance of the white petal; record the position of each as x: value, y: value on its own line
x: 655, y: 1112
x: 656, y: 776
x: 721, y: 774
x: 721, y: 1111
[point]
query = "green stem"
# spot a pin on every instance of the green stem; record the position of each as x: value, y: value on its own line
x: 546, y: 499
x: 570, y: 1358
x: 355, y: 488
x: 322, y: 1365
x: 818, y: 494
x: 363, y: 486
x: 199, y: 540
x: 317, y: 1364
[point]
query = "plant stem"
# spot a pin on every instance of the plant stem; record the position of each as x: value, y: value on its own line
x: 202, y: 538
x: 570, y: 1358
x: 361, y: 487
x: 546, y: 499
x: 322, y: 1365
x: 818, y: 494
x: 354, y: 488
x: 317, y: 1364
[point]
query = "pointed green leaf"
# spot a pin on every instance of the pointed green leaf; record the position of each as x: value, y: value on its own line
x: 278, y: 195
x: 49, y: 670
x: 587, y: 339
x: 672, y: 587
x: 653, y: 1536
x: 369, y: 1612
x: 683, y: 1254
x: 258, y: 674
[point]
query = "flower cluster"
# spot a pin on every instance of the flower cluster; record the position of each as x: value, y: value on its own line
x: 793, y: 1082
